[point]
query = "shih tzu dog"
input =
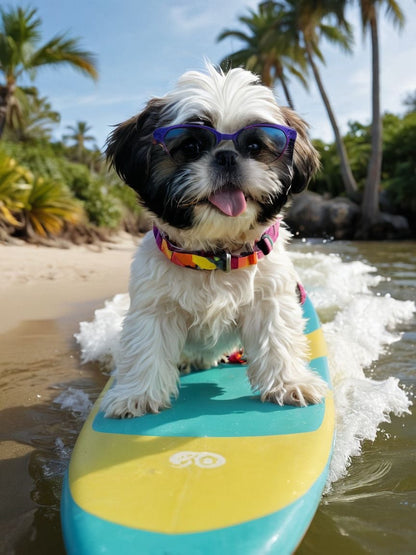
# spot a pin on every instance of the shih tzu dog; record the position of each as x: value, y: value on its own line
x: 213, y: 162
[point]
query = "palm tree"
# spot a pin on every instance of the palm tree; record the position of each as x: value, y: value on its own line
x: 311, y: 21
x: 34, y: 118
x: 302, y: 23
x: 410, y: 102
x: 369, y: 19
x: 79, y: 137
x: 21, y: 54
x: 271, y: 55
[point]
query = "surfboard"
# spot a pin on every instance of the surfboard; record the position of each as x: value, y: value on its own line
x: 219, y: 471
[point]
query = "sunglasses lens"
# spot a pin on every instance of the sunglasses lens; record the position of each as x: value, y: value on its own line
x: 261, y: 142
x: 186, y: 144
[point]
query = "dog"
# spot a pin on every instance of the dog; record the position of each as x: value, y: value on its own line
x: 213, y: 162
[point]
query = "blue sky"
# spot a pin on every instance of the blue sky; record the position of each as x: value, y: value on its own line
x: 142, y: 46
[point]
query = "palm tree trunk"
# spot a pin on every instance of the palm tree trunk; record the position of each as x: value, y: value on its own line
x: 286, y: 91
x: 370, y: 205
x: 347, y: 177
x: 4, y: 98
x: 6, y: 94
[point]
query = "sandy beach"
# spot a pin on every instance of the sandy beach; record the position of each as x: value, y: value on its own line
x: 44, y: 294
x: 39, y: 282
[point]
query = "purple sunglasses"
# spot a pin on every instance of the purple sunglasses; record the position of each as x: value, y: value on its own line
x: 189, y: 141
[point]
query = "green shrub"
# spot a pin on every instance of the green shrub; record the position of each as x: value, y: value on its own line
x: 102, y: 207
x: 102, y: 201
x: 48, y: 206
x: 399, y: 163
x: 14, y: 186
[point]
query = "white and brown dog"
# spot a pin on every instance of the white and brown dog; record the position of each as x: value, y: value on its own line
x: 213, y: 162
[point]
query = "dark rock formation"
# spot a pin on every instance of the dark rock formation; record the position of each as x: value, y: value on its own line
x: 312, y: 215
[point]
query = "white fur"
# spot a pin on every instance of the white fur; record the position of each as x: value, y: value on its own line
x: 179, y: 316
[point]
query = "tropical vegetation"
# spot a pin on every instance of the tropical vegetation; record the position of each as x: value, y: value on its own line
x: 398, y: 191
x: 78, y: 200
x: 79, y: 138
x: 50, y: 188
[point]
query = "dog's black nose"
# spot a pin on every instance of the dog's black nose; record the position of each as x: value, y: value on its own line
x: 226, y: 158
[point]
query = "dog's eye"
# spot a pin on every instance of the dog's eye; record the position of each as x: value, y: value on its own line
x: 191, y: 149
x: 186, y: 144
x: 261, y: 142
x: 251, y: 142
x: 253, y: 148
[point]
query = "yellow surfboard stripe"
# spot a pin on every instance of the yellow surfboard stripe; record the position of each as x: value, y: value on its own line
x: 252, y: 469
x: 317, y: 345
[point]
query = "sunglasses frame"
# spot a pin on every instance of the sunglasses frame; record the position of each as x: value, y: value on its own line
x: 160, y: 133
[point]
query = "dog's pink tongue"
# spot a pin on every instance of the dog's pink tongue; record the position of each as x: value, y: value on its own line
x: 231, y: 202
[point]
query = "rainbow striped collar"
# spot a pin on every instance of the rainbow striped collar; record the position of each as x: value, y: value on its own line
x: 225, y: 261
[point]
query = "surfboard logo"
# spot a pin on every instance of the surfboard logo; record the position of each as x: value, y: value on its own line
x: 203, y: 459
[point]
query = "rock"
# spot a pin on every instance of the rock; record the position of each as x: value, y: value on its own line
x: 387, y: 226
x: 311, y: 215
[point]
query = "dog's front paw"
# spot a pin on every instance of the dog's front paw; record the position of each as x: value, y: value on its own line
x: 310, y: 391
x: 117, y: 403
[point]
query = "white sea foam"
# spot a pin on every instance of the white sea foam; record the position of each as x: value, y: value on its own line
x: 358, y: 327
x: 74, y: 400
x: 99, y: 339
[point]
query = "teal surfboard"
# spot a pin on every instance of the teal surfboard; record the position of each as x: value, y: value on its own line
x: 218, y: 472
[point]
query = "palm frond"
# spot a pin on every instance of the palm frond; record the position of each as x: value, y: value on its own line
x: 394, y: 12
x: 14, y: 187
x: 270, y: 44
x: 48, y: 206
x: 338, y: 36
x: 62, y: 49
x: 21, y: 24
x: 299, y: 75
x: 236, y: 34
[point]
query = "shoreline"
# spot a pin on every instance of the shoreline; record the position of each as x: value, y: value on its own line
x: 39, y: 282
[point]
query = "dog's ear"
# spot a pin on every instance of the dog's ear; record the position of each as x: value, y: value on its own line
x: 129, y: 146
x: 305, y: 156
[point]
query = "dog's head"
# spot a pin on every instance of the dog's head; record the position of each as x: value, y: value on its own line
x: 196, y: 182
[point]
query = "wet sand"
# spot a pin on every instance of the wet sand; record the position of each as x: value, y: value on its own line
x: 44, y: 294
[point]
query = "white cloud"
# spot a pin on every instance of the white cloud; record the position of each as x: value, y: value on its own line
x: 189, y: 17
x: 186, y: 19
x: 68, y: 102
